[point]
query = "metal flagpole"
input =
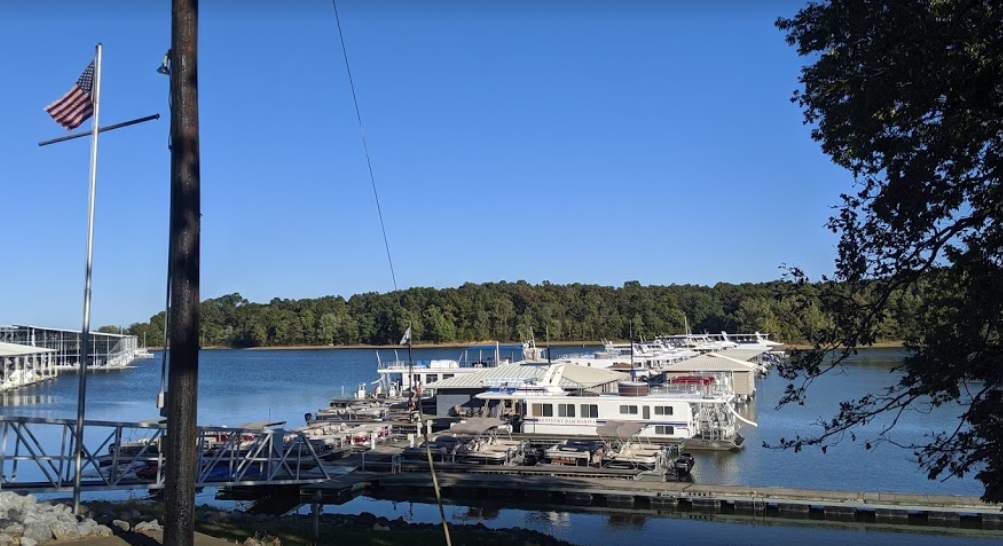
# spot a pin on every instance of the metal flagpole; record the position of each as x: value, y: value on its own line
x: 85, y: 335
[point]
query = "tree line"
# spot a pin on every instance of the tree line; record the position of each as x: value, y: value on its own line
x: 515, y: 311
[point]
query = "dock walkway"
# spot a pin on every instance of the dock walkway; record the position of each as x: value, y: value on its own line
x: 561, y: 486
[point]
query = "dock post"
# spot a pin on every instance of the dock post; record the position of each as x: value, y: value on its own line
x: 315, y: 508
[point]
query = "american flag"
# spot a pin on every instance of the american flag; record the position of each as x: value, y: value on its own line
x: 76, y: 105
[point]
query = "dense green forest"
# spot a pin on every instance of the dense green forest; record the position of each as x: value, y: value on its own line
x: 514, y: 311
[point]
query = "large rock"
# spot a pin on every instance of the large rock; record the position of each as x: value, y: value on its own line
x: 10, y: 499
x: 26, y: 522
x: 38, y: 531
x: 146, y: 526
x: 63, y: 530
x: 12, y: 528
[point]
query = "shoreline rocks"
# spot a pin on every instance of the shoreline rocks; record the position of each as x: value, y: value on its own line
x: 26, y: 522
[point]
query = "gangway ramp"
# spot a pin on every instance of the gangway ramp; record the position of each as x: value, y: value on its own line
x: 39, y: 455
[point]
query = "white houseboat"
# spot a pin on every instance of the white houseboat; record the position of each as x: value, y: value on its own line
x: 698, y: 413
x: 397, y: 374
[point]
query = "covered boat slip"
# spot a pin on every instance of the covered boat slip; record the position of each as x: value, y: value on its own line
x: 105, y: 350
x: 22, y: 365
x: 731, y: 367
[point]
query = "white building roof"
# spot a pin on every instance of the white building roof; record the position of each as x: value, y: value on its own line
x: 740, y: 353
x: 63, y: 330
x: 711, y: 363
x: 574, y: 377
x: 13, y: 349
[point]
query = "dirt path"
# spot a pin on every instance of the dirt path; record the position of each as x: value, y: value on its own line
x: 138, y: 539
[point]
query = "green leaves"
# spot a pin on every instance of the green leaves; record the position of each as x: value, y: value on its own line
x: 908, y: 95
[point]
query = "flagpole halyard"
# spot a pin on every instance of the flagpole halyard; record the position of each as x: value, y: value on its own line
x: 85, y: 334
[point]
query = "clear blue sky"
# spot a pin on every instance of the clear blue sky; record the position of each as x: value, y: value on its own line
x: 535, y: 140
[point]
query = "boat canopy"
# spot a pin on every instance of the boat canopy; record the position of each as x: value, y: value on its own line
x: 261, y: 424
x: 476, y: 425
x: 620, y: 429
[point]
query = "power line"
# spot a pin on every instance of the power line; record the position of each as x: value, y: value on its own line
x: 365, y: 145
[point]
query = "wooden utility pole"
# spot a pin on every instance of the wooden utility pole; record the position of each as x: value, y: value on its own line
x: 182, y: 390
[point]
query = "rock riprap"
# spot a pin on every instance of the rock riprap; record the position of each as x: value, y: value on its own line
x: 26, y: 522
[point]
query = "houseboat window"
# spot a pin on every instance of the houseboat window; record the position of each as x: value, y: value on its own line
x: 665, y: 430
x: 432, y: 378
x: 543, y: 410
x: 663, y: 410
x: 647, y: 412
x: 565, y: 410
x: 447, y: 376
x: 628, y: 410
x: 590, y: 410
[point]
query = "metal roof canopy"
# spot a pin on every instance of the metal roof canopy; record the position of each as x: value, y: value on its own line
x: 574, y: 377
x: 13, y: 349
x: 68, y: 330
x: 740, y: 353
x: 710, y: 362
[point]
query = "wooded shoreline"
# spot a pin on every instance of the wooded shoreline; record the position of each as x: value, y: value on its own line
x: 887, y: 344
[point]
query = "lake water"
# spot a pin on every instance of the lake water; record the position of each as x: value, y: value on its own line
x: 241, y: 386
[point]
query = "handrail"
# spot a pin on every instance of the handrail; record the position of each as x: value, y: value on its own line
x: 38, y: 454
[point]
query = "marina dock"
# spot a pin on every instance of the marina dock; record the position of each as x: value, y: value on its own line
x: 383, y: 475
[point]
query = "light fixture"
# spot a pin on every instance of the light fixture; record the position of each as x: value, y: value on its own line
x: 165, y: 64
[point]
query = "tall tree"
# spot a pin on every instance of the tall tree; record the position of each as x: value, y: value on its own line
x: 908, y: 95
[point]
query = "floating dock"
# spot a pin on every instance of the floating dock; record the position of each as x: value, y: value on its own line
x: 384, y: 476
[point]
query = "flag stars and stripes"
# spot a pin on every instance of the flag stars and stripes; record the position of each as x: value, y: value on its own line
x: 76, y: 105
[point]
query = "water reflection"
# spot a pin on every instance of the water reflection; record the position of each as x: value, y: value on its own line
x: 477, y: 513
x: 550, y: 522
x: 625, y: 520
x: 18, y: 398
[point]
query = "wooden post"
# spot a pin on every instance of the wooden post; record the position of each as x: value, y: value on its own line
x: 182, y: 392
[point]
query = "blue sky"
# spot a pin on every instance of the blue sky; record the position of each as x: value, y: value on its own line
x: 537, y: 140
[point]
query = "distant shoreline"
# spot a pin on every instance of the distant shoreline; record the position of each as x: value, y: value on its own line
x: 451, y: 345
x: 896, y: 344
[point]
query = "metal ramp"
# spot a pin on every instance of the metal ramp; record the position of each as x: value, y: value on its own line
x: 39, y: 455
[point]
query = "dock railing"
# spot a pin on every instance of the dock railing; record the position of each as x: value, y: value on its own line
x: 39, y: 454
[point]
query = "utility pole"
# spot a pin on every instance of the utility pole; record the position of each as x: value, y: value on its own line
x: 182, y: 392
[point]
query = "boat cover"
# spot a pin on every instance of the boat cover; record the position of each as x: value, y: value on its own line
x: 476, y: 425
x: 620, y: 429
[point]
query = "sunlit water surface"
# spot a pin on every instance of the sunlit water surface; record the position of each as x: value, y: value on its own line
x: 282, y: 385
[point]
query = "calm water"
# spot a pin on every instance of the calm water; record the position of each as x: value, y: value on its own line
x: 241, y: 386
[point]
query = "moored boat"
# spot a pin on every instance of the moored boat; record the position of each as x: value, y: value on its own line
x: 701, y: 417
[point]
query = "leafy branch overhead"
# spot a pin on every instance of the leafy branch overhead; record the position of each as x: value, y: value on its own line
x: 908, y: 96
